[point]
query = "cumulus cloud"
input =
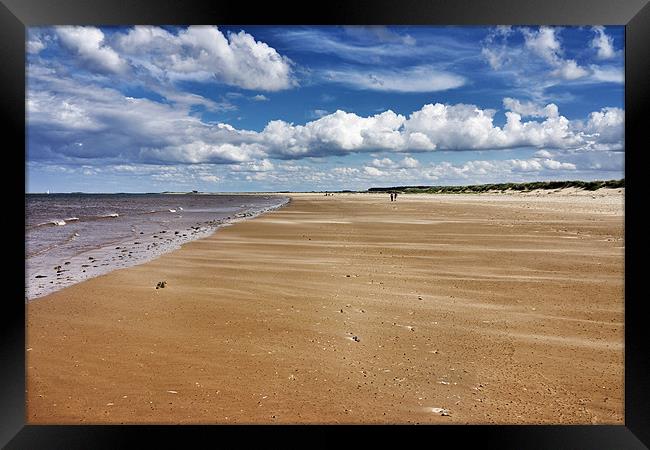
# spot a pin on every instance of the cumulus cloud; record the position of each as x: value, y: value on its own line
x: 34, y: 45
x: 337, y: 133
x: 543, y: 154
x: 84, y: 121
x: 204, y: 53
x: 540, y: 61
x: 209, y: 178
x: 387, y: 163
x: 440, y: 127
x: 263, y: 165
x: 88, y: 43
x: 602, y: 43
x: 545, y: 44
x: 373, y: 171
x: 75, y: 120
x: 495, y: 49
x: 345, y: 171
x: 569, y: 70
x: 409, y: 162
x: 607, y: 126
x: 467, y: 172
x: 531, y: 109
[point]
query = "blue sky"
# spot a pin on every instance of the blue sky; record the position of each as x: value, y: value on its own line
x: 253, y: 108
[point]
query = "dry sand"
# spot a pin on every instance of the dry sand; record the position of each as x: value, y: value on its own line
x: 490, y: 308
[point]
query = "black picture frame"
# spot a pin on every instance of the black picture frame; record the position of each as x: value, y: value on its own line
x: 16, y: 15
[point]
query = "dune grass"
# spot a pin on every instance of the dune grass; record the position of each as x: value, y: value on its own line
x: 523, y: 187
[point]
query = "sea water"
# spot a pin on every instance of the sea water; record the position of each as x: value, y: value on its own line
x: 72, y: 237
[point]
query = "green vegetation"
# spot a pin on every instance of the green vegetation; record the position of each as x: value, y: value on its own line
x: 524, y: 187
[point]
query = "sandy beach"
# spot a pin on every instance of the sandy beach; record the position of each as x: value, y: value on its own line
x: 441, y: 309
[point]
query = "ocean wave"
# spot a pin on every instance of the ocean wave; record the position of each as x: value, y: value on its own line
x: 70, y: 238
x: 50, y: 223
x: 30, y: 254
x: 98, y: 217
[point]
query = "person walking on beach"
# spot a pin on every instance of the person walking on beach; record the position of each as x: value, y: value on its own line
x: 395, y: 196
x: 391, y: 196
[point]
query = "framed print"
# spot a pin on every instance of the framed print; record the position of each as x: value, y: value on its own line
x: 416, y: 214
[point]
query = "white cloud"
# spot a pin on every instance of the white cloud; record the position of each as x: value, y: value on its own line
x: 260, y: 98
x: 383, y: 163
x: 345, y: 171
x: 543, y: 154
x: 608, y: 74
x: 531, y: 109
x: 607, y: 126
x: 185, y: 99
x: 374, y: 172
x: 557, y: 165
x: 387, y: 163
x: 88, y: 43
x: 204, y: 53
x: 531, y: 165
x: 569, y: 70
x: 35, y: 45
x: 412, y: 79
x: 474, y: 171
x: 603, y: 43
x: 454, y: 127
x: 69, y: 119
x: 545, y: 44
x: 263, y: 165
x: 375, y: 44
x: 409, y: 162
x: 209, y: 178
x: 336, y: 133
x: 540, y: 63
x: 495, y: 49
x: 318, y: 113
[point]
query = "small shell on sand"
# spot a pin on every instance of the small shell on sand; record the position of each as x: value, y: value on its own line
x: 441, y: 411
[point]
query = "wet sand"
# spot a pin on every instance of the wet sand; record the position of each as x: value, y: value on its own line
x: 451, y: 309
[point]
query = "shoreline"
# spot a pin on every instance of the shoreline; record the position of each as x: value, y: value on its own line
x: 95, y: 258
x: 490, y: 310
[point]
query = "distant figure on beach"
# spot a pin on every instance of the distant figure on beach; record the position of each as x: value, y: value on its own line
x: 395, y: 196
x: 391, y: 196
